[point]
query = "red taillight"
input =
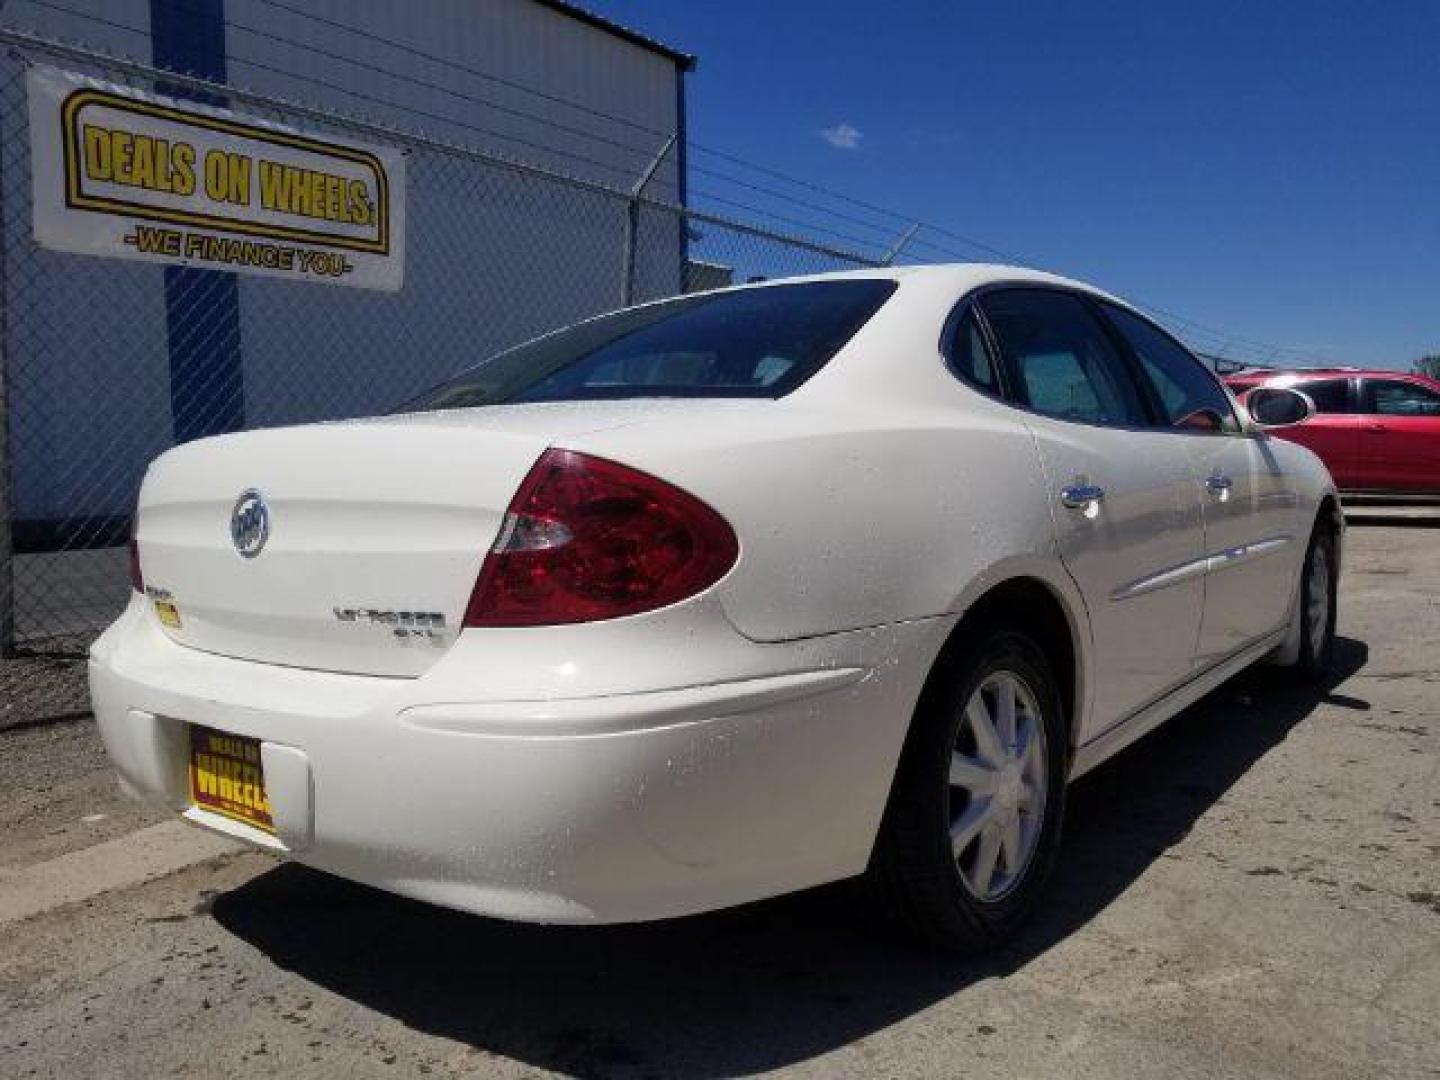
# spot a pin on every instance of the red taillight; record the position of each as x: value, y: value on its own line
x: 137, y: 581
x: 588, y: 539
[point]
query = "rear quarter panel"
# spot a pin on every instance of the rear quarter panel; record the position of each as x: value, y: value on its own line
x: 854, y: 521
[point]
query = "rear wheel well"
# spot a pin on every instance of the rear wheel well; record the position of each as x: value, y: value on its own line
x: 1028, y: 605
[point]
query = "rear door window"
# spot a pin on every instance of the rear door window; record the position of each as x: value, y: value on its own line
x: 1393, y: 397
x: 762, y: 342
x: 1061, y: 361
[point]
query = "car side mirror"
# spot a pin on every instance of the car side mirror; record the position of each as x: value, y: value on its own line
x: 1278, y: 406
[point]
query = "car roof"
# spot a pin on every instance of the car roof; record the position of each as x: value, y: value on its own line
x: 977, y: 271
x: 1293, y: 375
x: 959, y: 277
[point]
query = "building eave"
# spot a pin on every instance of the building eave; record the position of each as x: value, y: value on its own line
x: 685, y: 61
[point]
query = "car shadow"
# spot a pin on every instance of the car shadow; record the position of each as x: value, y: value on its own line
x: 762, y: 986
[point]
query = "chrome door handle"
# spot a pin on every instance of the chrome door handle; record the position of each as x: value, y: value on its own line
x: 1079, y: 496
x: 1219, y: 484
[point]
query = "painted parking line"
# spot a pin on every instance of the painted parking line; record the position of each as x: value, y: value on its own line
x: 142, y: 856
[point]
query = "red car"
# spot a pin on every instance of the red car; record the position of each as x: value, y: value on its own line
x: 1377, y: 431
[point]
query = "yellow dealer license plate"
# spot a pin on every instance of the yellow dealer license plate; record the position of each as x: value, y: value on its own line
x: 226, y: 777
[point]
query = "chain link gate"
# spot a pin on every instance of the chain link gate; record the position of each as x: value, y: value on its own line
x: 90, y: 391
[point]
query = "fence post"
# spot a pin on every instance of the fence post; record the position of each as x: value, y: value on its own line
x: 632, y: 224
x: 7, y: 545
x: 7, y: 506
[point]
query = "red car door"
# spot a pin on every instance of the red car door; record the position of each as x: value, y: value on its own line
x: 1400, y: 435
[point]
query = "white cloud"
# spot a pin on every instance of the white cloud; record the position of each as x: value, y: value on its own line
x: 842, y: 136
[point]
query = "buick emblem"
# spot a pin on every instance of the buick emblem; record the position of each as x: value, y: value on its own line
x: 250, y: 523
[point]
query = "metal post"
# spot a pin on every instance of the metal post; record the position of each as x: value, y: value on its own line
x: 632, y: 224
x: 7, y: 507
x: 890, y: 256
x: 7, y: 547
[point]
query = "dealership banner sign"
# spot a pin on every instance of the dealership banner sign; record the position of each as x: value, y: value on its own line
x: 133, y: 175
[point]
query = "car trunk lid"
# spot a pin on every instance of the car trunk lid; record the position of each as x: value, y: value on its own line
x: 376, y: 531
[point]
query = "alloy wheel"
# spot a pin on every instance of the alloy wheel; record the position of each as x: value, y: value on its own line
x: 997, y: 786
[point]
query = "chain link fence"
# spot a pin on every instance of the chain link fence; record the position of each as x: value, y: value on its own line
x: 91, y: 389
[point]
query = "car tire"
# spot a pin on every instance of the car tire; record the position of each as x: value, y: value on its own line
x: 1318, y: 607
x: 962, y: 857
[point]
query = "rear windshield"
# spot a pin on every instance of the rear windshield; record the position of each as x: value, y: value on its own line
x: 760, y: 343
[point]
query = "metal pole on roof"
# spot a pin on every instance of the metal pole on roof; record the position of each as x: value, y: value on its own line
x: 888, y: 259
x: 632, y: 223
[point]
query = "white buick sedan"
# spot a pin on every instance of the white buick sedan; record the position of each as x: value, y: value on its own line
x: 720, y: 597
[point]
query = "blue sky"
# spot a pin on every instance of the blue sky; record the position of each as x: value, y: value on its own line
x: 1269, y: 168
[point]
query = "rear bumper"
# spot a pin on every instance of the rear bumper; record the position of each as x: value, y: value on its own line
x: 763, y: 777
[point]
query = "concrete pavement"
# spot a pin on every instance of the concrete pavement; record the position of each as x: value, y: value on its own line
x: 1253, y: 891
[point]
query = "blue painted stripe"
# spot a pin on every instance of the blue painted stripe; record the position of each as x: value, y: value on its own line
x: 202, y: 307
x: 682, y: 169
